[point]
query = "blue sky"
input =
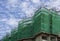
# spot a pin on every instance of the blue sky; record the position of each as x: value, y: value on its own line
x: 12, y: 11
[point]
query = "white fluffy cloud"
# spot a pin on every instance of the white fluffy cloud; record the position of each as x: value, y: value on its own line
x: 12, y: 22
x: 3, y: 19
x: 30, y: 12
x: 54, y: 4
x: 35, y: 1
x: 12, y: 2
x: 24, y: 4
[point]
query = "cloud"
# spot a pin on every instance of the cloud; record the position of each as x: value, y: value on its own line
x: 3, y: 19
x: 2, y: 34
x: 55, y: 4
x: 35, y: 1
x: 24, y: 4
x: 30, y: 11
x: 12, y: 22
x: 12, y: 2
x: 4, y: 27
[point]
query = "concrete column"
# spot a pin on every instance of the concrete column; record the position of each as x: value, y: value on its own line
x: 48, y: 38
x: 37, y: 38
x: 56, y: 39
x: 40, y: 38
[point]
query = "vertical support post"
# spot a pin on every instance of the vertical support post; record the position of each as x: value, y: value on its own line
x: 40, y: 38
x: 49, y: 38
x: 56, y: 38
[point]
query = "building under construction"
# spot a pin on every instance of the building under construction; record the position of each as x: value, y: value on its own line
x: 43, y: 26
